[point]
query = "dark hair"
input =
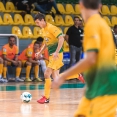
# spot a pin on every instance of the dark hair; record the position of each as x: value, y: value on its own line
x: 39, y: 16
x: 40, y: 39
x: 76, y: 17
x: 12, y: 37
x: 115, y: 26
x: 91, y: 4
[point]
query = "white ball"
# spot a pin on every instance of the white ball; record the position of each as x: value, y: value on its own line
x: 26, y: 97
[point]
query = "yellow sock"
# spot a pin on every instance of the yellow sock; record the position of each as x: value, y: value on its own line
x: 18, y: 71
x: 4, y: 72
x: 36, y: 71
x: 28, y: 68
x: 1, y: 69
x: 47, y: 87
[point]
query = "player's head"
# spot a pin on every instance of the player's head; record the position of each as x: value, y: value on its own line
x: 81, y: 23
x: 76, y: 20
x: 12, y: 40
x: 115, y: 29
x: 87, y: 6
x: 36, y: 46
x: 40, y: 40
x: 40, y: 20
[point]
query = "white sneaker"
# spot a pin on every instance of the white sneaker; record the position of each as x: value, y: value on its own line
x: 4, y: 80
x: 19, y: 80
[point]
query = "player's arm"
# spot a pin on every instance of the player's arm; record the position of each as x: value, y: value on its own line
x: 16, y: 55
x: 4, y: 53
x: 91, y: 47
x: 60, y: 43
x: 42, y: 49
x: 80, y: 67
x: 32, y: 61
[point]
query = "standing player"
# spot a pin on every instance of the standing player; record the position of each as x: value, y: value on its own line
x: 54, y: 40
x: 100, y: 98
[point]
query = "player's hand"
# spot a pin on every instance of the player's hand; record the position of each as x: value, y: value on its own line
x: 15, y: 63
x: 55, y: 55
x: 58, y: 82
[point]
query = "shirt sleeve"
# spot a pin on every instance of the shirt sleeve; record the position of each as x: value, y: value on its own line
x: 91, y: 39
x: 55, y: 31
x: 29, y: 52
x: 68, y: 31
x: 4, y: 51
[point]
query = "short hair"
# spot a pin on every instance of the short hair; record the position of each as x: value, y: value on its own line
x: 40, y: 39
x: 91, y: 4
x: 12, y: 37
x: 76, y: 17
x: 39, y: 16
x: 115, y: 26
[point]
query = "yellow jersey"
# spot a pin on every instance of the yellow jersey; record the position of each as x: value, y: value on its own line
x: 51, y: 34
x: 101, y: 79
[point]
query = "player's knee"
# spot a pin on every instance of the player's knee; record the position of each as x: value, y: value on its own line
x: 28, y: 64
x: 1, y: 61
x: 19, y: 63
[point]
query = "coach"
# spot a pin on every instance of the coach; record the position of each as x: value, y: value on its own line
x: 74, y: 39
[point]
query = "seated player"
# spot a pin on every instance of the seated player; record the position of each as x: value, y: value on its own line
x: 27, y: 59
x: 10, y: 57
x: 43, y: 59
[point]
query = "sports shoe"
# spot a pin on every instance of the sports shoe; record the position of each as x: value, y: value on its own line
x: 27, y: 80
x: 37, y: 80
x: 3, y: 80
x: 18, y: 80
x: 43, y: 100
x: 81, y: 78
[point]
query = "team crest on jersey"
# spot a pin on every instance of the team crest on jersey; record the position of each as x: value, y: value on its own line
x: 4, y: 49
x: 30, y: 53
x: 46, y: 39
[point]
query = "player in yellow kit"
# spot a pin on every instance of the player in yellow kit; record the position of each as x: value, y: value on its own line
x: 99, y: 69
x: 54, y: 41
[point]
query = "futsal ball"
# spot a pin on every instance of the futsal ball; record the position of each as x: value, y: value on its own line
x: 26, y: 97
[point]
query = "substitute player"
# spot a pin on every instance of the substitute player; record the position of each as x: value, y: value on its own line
x: 54, y: 40
x: 10, y: 57
x: 100, y: 98
x: 27, y: 59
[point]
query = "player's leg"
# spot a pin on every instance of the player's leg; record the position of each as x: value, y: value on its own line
x: 28, y: 68
x: 5, y: 71
x: 36, y: 72
x: 43, y: 65
x: 18, y: 71
x: 47, y: 86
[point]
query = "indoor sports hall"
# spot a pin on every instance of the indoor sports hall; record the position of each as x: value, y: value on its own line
x: 21, y: 25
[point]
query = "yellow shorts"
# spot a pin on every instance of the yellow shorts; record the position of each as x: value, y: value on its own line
x: 103, y: 106
x: 23, y: 63
x: 55, y: 64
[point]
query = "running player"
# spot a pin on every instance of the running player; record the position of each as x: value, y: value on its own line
x: 54, y: 40
x: 100, y: 98
x: 10, y: 57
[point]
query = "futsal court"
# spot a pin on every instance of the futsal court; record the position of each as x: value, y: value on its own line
x: 63, y: 102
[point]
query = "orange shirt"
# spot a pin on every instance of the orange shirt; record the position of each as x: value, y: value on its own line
x: 45, y: 53
x: 9, y: 52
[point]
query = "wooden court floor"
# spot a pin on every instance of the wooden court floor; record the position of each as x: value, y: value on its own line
x: 63, y: 102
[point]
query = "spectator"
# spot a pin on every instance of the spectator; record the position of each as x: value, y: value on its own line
x: 10, y: 57
x: 24, y: 5
x: 74, y: 39
x: 45, y: 6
